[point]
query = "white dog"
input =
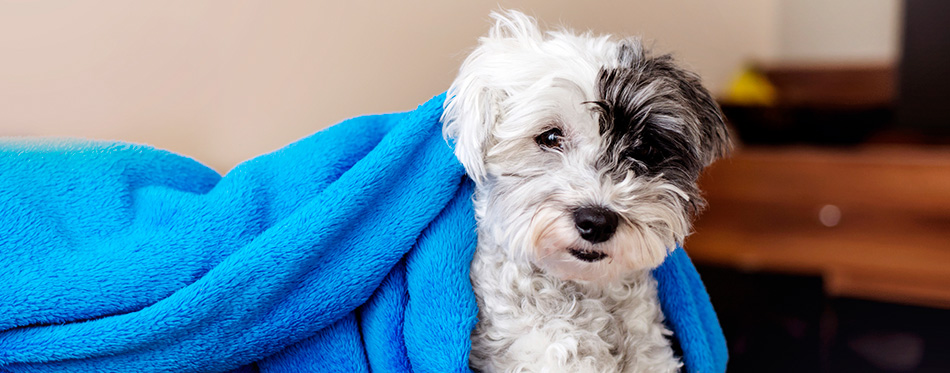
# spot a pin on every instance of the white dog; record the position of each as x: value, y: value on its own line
x: 585, y: 152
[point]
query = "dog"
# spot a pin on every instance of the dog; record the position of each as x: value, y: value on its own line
x: 584, y: 151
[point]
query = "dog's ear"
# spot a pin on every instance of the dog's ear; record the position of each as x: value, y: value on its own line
x: 475, y: 101
x: 712, y: 132
x: 471, y: 108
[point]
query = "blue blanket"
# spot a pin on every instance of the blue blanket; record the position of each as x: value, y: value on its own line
x: 345, y: 251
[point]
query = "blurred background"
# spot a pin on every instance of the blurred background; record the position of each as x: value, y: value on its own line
x: 825, y: 243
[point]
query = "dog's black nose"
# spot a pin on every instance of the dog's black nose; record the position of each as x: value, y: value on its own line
x: 595, y: 224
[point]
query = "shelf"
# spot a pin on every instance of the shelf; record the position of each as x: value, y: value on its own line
x: 886, y: 234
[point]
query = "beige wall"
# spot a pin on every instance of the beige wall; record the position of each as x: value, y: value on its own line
x: 223, y: 81
x: 839, y: 30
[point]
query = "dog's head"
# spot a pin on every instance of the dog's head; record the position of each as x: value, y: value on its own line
x: 585, y: 150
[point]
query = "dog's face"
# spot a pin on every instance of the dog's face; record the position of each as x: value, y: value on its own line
x: 585, y: 150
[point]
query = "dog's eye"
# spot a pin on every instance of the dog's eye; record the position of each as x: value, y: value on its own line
x: 550, y: 138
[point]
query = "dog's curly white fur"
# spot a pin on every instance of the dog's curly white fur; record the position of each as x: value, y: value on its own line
x: 585, y: 152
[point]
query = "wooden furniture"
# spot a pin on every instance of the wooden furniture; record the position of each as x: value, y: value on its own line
x: 832, y: 86
x: 874, y: 222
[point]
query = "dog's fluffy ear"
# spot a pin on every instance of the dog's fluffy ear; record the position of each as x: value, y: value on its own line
x: 714, y: 134
x: 475, y: 100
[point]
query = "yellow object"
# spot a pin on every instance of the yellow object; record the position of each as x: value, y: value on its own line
x: 750, y: 88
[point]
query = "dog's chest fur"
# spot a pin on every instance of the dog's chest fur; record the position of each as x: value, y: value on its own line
x: 532, y: 322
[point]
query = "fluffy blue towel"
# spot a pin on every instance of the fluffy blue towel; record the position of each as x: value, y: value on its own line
x: 345, y: 251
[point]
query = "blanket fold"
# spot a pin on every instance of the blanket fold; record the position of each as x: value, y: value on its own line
x: 345, y: 251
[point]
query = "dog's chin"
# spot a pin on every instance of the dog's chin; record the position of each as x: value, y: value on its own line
x: 566, y: 267
x: 587, y: 265
x: 564, y: 255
